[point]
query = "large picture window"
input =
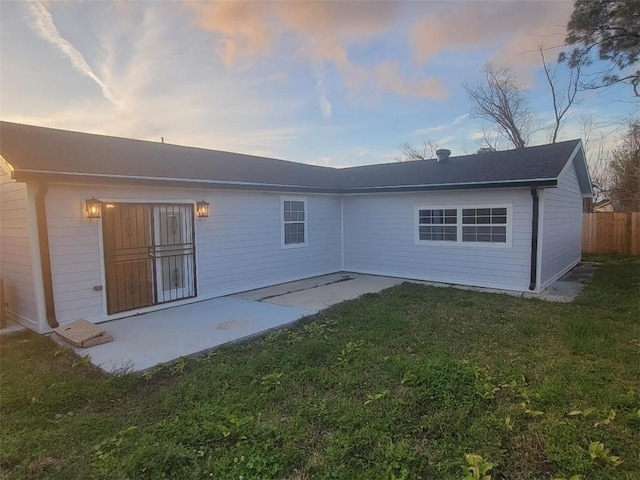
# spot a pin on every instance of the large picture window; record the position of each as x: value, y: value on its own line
x: 294, y: 222
x: 488, y: 225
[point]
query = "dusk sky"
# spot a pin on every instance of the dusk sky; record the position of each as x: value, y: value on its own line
x: 329, y: 83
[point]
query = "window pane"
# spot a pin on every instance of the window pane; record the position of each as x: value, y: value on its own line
x: 469, y: 212
x: 499, y: 219
x: 499, y: 238
x: 484, y: 211
x: 469, y: 234
x: 498, y: 211
x: 425, y: 216
x: 437, y: 233
x: 425, y: 233
x: 484, y: 219
x: 484, y: 234
x: 293, y: 233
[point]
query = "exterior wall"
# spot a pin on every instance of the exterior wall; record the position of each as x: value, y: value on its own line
x: 237, y: 248
x: 17, y: 261
x: 379, y: 238
x: 561, y: 227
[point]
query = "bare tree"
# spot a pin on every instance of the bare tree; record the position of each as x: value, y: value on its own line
x: 410, y: 153
x: 562, y: 98
x: 503, y: 102
x: 625, y: 170
x: 594, y: 148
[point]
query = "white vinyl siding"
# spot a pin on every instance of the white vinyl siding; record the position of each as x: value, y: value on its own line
x: 381, y: 238
x: 238, y: 247
x: 561, y: 234
x: 16, y: 256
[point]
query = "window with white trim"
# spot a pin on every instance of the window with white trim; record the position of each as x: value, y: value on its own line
x: 438, y: 224
x: 470, y: 225
x: 484, y: 225
x: 294, y: 222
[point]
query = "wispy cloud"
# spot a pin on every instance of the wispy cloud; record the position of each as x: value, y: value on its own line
x: 42, y: 24
x: 323, y: 31
x: 438, y: 128
x: 325, y: 106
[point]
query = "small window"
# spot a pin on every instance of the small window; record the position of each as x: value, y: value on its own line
x: 294, y: 222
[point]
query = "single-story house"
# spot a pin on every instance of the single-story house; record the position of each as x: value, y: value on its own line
x: 99, y: 227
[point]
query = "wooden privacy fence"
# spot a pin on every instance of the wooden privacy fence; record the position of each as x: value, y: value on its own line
x: 610, y: 232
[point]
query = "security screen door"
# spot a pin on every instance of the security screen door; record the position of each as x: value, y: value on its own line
x: 149, y: 254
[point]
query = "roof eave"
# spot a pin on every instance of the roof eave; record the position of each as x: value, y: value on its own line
x: 548, y: 182
x: 100, y: 179
x: 108, y: 179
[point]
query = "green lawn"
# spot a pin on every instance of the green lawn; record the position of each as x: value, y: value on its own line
x: 400, y: 384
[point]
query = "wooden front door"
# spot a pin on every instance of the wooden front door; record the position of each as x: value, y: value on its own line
x: 149, y: 254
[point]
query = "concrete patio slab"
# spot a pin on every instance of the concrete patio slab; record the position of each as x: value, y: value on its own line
x: 318, y: 293
x: 144, y: 341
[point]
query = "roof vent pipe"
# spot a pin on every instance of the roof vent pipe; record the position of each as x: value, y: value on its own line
x: 442, y: 154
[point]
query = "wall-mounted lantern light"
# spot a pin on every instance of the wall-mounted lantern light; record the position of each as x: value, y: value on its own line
x: 93, y: 206
x: 202, y: 209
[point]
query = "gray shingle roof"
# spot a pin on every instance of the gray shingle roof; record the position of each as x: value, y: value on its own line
x: 39, y: 151
x: 28, y: 149
x: 544, y: 162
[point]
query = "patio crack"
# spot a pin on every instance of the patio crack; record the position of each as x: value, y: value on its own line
x: 344, y: 278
